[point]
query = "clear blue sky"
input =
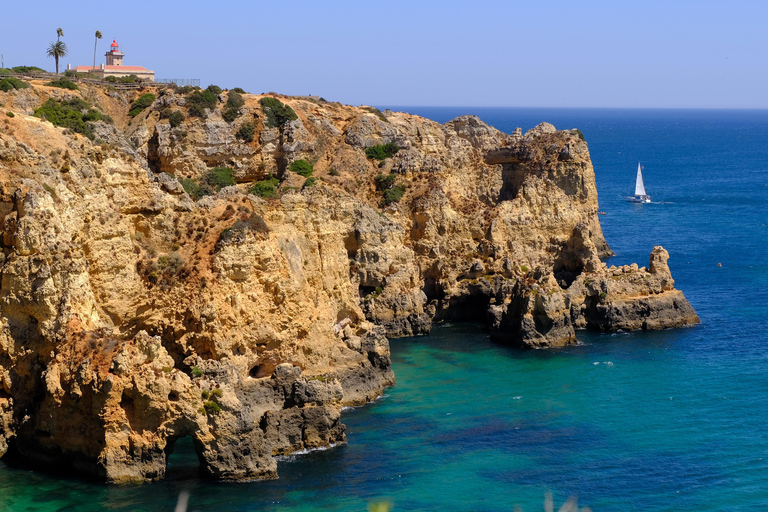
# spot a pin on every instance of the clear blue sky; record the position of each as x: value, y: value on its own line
x: 577, y: 53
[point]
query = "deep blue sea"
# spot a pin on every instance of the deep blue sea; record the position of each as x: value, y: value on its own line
x: 673, y: 420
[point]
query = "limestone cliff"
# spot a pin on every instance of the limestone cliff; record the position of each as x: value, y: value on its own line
x: 132, y: 315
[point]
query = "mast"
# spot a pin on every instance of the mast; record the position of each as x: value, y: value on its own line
x: 639, y: 187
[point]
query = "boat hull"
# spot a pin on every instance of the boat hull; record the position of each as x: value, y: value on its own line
x: 639, y: 199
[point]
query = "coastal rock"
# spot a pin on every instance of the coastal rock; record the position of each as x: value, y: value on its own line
x: 133, y: 315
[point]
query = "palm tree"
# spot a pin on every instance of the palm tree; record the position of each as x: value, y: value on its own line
x: 56, y: 50
x: 98, y: 36
x: 59, y: 34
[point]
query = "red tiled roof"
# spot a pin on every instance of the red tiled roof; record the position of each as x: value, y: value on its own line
x: 125, y: 68
x: 110, y: 68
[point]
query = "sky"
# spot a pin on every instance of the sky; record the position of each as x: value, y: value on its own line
x: 615, y: 54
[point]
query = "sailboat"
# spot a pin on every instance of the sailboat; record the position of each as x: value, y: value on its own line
x: 640, y: 195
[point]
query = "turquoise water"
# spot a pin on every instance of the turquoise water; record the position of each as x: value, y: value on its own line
x: 670, y: 420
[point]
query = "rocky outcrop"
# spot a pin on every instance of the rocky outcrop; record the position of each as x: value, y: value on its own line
x: 133, y: 315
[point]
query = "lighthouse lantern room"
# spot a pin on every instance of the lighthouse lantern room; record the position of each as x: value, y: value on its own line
x: 114, y: 55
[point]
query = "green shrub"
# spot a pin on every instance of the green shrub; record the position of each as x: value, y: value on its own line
x: 220, y: 177
x: 211, y: 407
x: 391, y: 193
x: 92, y: 115
x: 382, y: 151
x: 10, y: 114
x: 27, y: 69
x: 214, y: 89
x: 67, y: 114
x: 198, y: 101
x: 205, y: 394
x: 238, y: 90
x: 176, y: 118
x: 277, y: 112
x: 265, y: 188
x: 63, y: 83
x: 187, y: 89
x: 385, y: 182
x: 333, y: 172
x: 197, y: 372
x: 302, y: 168
x: 196, y: 111
x: 194, y: 190
x: 8, y: 84
x: 235, y: 100
x: 394, y: 194
x: 578, y: 132
x: 246, y: 132
x: 130, y: 79
x: 230, y: 114
x: 310, y: 181
x: 144, y: 101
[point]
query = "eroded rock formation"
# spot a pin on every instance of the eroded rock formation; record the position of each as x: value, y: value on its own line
x: 132, y: 315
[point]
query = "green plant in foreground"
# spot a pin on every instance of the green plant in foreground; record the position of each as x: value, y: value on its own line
x: 310, y: 181
x: 197, y: 372
x: 302, y: 168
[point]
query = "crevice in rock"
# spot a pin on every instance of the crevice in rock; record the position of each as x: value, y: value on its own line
x: 153, y: 153
x: 512, y: 177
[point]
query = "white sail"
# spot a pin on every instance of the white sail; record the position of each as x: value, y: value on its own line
x: 639, y: 187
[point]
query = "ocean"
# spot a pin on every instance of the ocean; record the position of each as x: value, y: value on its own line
x: 672, y: 420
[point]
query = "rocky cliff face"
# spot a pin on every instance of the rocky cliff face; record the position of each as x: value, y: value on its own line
x: 132, y: 315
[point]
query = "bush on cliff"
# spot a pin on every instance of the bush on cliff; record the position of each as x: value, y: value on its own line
x: 246, y: 132
x: 277, y: 112
x: 69, y: 114
x: 63, y: 83
x: 8, y: 84
x: 27, y: 69
x: 213, y: 181
x: 176, y: 118
x: 265, y: 188
x: 391, y: 193
x: 234, y: 102
x: 220, y: 177
x: 302, y: 168
x: 144, y: 101
x: 198, y: 101
x: 382, y: 151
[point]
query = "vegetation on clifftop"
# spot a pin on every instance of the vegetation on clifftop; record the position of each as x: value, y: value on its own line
x: 69, y: 114
x: 277, y: 112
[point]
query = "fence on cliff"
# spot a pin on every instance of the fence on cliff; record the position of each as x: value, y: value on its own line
x: 98, y: 81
